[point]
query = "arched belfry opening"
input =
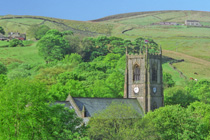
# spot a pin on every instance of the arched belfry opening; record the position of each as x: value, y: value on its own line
x: 136, y: 73
x: 154, y: 73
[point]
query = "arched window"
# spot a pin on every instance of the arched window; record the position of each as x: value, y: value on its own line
x: 136, y: 73
x: 154, y: 73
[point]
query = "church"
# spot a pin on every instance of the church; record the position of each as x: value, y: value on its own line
x: 143, y: 87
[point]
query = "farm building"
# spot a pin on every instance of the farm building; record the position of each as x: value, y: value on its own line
x: 16, y: 35
x: 192, y: 23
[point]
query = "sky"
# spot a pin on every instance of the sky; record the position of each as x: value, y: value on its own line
x: 84, y: 10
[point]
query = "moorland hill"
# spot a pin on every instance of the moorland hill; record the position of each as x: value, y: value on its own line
x: 179, y: 41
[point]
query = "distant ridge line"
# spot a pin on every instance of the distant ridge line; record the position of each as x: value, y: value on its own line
x: 125, y: 15
x: 53, y: 20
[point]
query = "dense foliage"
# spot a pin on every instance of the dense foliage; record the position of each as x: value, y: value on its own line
x: 115, y: 122
x: 169, y: 122
x: 37, y: 32
x: 3, y: 69
x: 52, y: 46
x: 26, y: 113
x: 2, y: 30
x: 93, y: 67
x: 15, y: 43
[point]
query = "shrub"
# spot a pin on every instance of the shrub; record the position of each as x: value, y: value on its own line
x: 3, y: 69
x: 15, y: 43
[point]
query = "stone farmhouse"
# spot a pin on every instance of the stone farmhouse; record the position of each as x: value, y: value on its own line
x: 13, y: 35
x: 143, y: 88
x: 192, y: 23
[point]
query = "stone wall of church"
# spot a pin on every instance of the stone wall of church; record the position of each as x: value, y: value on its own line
x: 150, y: 95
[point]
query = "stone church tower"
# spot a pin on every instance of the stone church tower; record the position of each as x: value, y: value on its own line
x: 143, y: 79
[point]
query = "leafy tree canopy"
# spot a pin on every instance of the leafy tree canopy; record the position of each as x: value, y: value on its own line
x: 178, y: 95
x: 167, y: 80
x: 15, y: 43
x: 2, y: 30
x: 103, y: 77
x: 26, y: 113
x: 175, y: 122
x: 41, y: 31
x: 102, y: 45
x: 115, y: 122
x: 200, y: 90
x: 52, y: 46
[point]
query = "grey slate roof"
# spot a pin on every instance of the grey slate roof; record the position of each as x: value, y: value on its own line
x: 95, y: 105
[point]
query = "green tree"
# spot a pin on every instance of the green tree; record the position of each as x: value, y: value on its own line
x: 115, y: 122
x: 175, y: 122
x: 41, y: 31
x: 200, y: 90
x: 87, y: 47
x: 68, y: 125
x: 2, y: 30
x: 73, y: 58
x: 37, y: 32
x: 75, y: 44
x: 167, y: 80
x: 115, y: 84
x: 52, y: 46
x: 15, y: 43
x: 3, y: 69
x: 26, y: 113
x: 19, y: 109
x: 144, y: 129
x: 178, y: 95
x: 201, y: 111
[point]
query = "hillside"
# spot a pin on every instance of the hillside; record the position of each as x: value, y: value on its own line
x: 179, y: 41
x: 192, y: 42
x: 13, y: 23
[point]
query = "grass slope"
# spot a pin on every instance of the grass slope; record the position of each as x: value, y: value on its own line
x: 12, y: 23
x: 28, y: 55
x: 189, y: 43
x: 179, y: 42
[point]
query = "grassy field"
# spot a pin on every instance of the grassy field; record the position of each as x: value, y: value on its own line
x: 191, y: 65
x: 189, y: 43
x: 141, y: 21
x: 4, y: 44
x: 28, y: 55
x: 26, y: 21
x: 21, y: 24
x: 179, y: 42
x: 175, y: 75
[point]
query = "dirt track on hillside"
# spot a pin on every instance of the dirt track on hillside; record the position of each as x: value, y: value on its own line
x: 177, y: 55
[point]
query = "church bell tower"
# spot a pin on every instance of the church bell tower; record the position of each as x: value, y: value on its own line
x: 143, y: 79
